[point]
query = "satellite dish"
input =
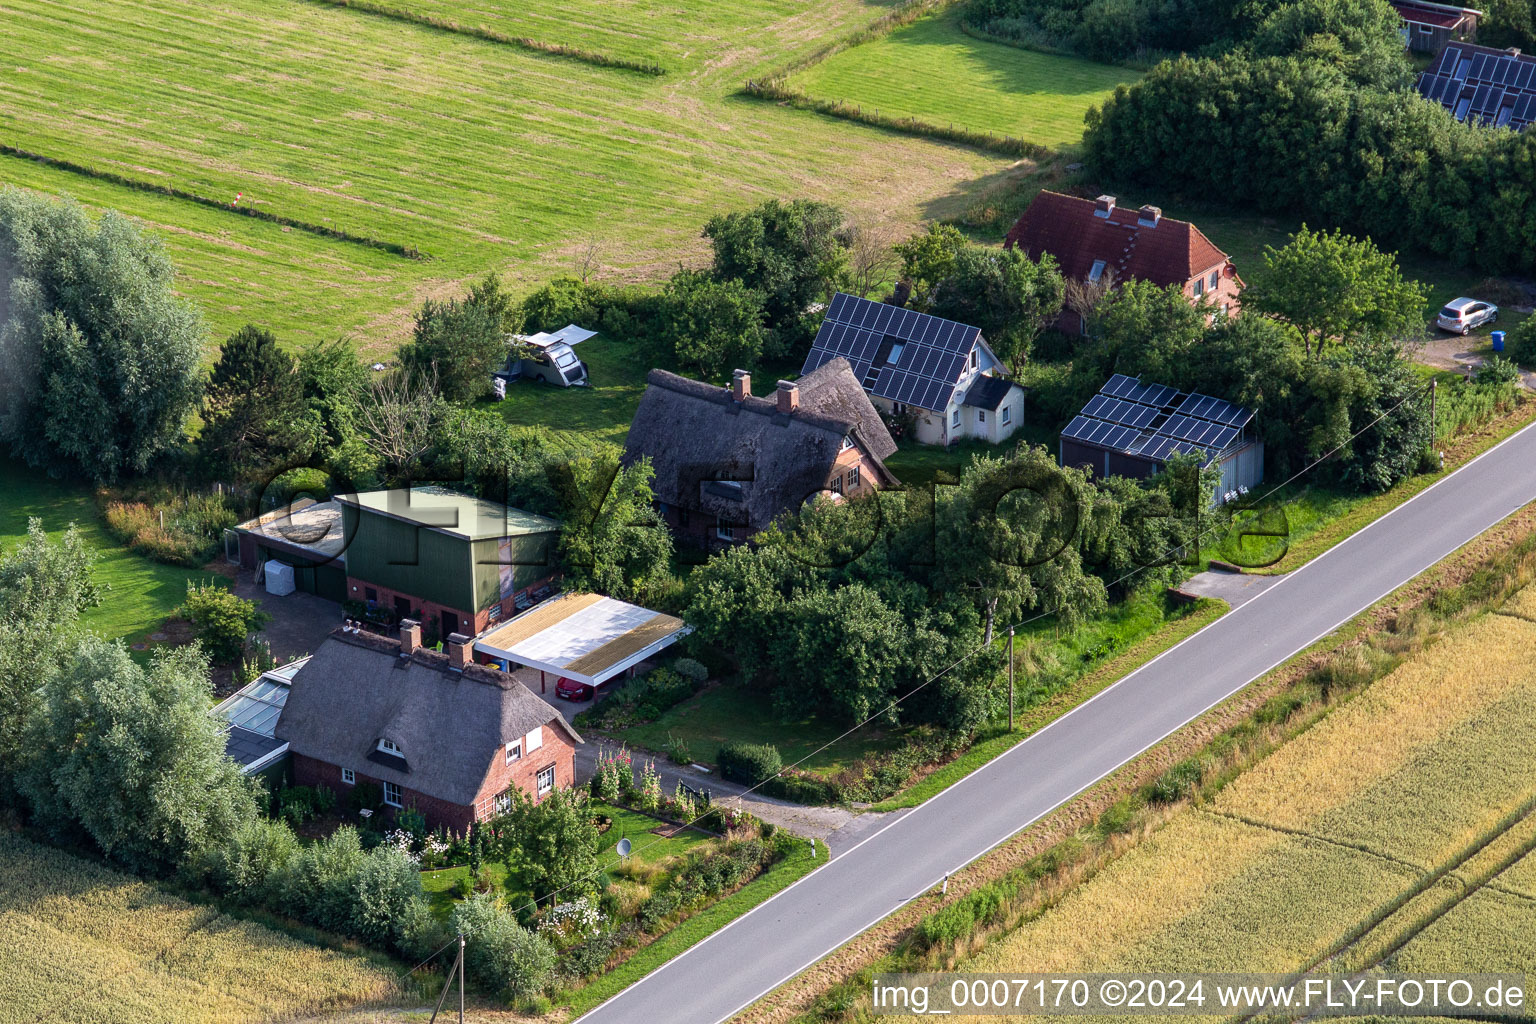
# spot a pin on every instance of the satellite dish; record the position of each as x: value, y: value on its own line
x: 624, y: 848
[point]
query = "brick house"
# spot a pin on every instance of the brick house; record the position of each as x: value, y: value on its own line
x: 1096, y: 242
x: 727, y: 464
x: 436, y: 732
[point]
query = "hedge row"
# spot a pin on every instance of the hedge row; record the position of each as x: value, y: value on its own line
x: 602, y: 60
x: 776, y: 89
x: 408, y: 251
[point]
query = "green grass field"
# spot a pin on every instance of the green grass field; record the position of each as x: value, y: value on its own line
x: 933, y: 72
x: 142, y: 593
x: 483, y: 156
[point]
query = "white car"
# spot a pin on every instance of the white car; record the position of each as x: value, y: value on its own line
x: 1462, y: 316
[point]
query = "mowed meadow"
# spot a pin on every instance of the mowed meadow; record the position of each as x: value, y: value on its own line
x: 82, y: 944
x: 1398, y: 831
x: 933, y: 72
x: 479, y: 155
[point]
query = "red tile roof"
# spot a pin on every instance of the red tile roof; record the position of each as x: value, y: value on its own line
x: 1172, y: 252
x: 1436, y: 15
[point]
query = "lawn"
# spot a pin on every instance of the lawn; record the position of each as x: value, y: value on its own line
x: 932, y: 71
x: 917, y: 465
x: 142, y: 593
x: 1334, y: 847
x: 732, y: 711
x: 601, y: 412
x: 77, y: 939
x: 481, y: 155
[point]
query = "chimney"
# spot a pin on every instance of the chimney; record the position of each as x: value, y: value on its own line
x: 410, y: 637
x: 460, y: 651
x: 741, y: 385
x: 1148, y: 216
x: 1104, y: 206
x: 789, y: 397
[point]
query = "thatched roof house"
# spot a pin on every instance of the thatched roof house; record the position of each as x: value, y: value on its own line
x: 727, y: 464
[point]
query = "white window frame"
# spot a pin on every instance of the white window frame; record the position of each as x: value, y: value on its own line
x: 549, y: 771
x: 1199, y: 287
x: 853, y: 478
x: 954, y: 419
x: 975, y: 357
x: 348, y: 777
x: 502, y: 803
x: 388, y: 747
x: 395, y: 788
x: 1007, y: 415
x: 1215, y: 280
x: 981, y: 415
x: 847, y: 442
x: 725, y: 532
x: 534, y: 740
x: 514, y: 751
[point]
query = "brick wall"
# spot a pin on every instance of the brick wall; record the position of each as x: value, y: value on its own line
x: 430, y: 614
x: 557, y: 750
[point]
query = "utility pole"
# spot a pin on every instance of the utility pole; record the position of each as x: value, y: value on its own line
x: 1010, y: 679
x: 456, y: 969
x: 461, y: 978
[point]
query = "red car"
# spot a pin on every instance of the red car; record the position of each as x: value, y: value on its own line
x: 570, y: 689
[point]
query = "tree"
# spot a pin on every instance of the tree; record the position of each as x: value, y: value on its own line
x: 872, y: 257
x: 221, y: 621
x: 44, y: 587
x: 458, y: 344
x: 1332, y: 286
x: 1362, y: 39
x: 132, y: 757
x: 927, y: 259
x: 1003, y: 292
x: 98, y: 357
x: 840, y: 651
x: 334, y: 383
x: 254, y: 414
x: 709, y: 325
x: 1085, y: 297
x: 793, y: 253
x: 499, y: 953
x: 556, y: 842
x: 1008, y: 536
x: 613, y: 542
x: 400, y: 417
x: 1142, y: 330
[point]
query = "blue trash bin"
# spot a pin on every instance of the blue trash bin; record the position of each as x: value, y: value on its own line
x: 1498, y: 341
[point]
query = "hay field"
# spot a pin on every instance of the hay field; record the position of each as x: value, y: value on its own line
x: 1398, y: 830
x: 478, y: 154
x: 82, y: 943
x: 933, y: 72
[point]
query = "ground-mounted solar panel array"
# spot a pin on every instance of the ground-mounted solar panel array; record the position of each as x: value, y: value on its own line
x: 1480, y: 86
x: 898, y: 354
x: 1157, y: 422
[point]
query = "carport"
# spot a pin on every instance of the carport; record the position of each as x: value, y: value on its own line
x: 588, y: 638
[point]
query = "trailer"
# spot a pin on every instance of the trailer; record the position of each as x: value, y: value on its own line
x: 548, y: 357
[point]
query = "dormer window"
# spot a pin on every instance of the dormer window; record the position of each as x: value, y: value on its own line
x: 847, y: 442
x: 1097, y: 271
x: 514, y: 751
x: 388, y: 747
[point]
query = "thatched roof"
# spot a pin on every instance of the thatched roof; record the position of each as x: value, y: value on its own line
x: 696, y: 434
x: 357, y: 689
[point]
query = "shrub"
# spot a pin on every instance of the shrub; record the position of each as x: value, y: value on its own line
x: 1176, y: 782
x: 657, y: 908
x: 178, y: 529
x: 960, y: 917
x: 365, y: 796
x: 297, y: 804
x: 590, y: 956
x: 221, y: 622
x: 315, y: 885
x: 384, y: 889
x: 243, y: 865
x: 749, y: 763
x: 1520, y: 342
x: 690, y: 668
x: 499, y: 953
x: 412, y: 821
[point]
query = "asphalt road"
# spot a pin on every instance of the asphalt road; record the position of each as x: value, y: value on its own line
x: 749, y: 958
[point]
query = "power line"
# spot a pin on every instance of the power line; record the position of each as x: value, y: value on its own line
x: 1417, y: 392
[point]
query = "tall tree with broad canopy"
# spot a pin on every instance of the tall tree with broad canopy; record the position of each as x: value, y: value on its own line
x: 793, y: 253
x: 98, y: 357
x: 1329, y: 285
x: 1009, y: 537
x: 927, y: 259
x: 1010, y: 297
x: 556, y: 844
x: 255, y: 416
x: 132, y: 757
x: 44, y: 588
x: 709, y: 326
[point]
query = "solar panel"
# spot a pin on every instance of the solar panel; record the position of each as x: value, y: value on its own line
x: 1119, y: 386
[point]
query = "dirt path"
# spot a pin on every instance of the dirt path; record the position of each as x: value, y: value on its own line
x: 1462, y: 355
